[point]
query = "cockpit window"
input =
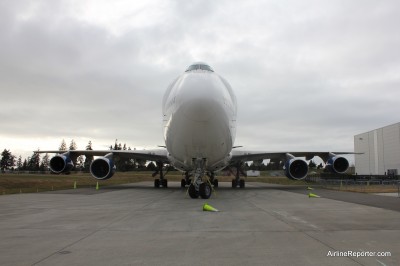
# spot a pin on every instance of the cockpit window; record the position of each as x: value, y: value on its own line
x: 199, y: 66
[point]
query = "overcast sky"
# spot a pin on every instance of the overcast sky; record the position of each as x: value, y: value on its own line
x: 308, y: 75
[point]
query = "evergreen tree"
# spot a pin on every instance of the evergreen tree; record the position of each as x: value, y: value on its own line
x: 131, y: 165
x: 19, y: 163
x: 7, y: 160
x: 88, y: 158
x: 34, y: 162
x: 140, y: 164
x: 25, y: 165
x: 63, y: 146
x: 89, y: 146
x: 122, y: 164
x: 72, y: 145
x: 29, y: 164
x: 44, y: 165
x: 80, y: 164
x: 312, y: 164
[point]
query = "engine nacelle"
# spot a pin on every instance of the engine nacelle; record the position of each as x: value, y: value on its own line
x: 296, y: 168
x: 337, y: 164
x: 103, y: 168
x: 61, y: 163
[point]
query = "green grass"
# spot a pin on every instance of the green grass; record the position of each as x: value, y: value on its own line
x: 31, y: 183
x: 279, y: 180
x: 28, y: 183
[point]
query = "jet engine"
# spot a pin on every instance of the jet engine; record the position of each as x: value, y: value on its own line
x: 337, y: 164
x: 103, y: 168
x: 61, y: 163
x: 296, y: 168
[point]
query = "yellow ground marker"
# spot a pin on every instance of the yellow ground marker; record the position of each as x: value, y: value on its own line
x: 75, y: 185
x: 97, y: 186
x: 209, y: 208
x: 312, y: 195
x: 310, y: 188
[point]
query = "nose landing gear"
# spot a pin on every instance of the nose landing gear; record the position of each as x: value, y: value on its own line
x: 198, y: 187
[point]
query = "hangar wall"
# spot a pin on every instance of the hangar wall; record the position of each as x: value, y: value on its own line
x: 381, y: 148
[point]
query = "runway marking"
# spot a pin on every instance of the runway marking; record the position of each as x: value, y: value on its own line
x: 381, y: 263
x: 297, y: 219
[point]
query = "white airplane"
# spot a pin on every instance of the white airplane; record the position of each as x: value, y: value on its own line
x: 199, y: 118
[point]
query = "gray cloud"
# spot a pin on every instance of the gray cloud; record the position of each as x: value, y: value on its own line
x: 308, y: 75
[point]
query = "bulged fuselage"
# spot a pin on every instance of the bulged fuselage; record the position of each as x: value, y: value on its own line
x: 199, y: 119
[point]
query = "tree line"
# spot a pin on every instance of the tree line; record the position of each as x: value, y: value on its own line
x: 276, y: 166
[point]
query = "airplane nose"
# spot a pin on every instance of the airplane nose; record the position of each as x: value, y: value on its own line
x: 199, y: 95
x: 199, y: 109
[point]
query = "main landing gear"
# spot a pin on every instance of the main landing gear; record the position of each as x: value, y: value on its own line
x: 162, y: 181
x: 240, y: 184
x: 237, y: 181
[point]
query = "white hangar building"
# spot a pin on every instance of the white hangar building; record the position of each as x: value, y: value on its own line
x: 381, y: 148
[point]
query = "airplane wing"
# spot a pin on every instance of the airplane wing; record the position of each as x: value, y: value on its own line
x: 295, y: 166
x: 159, y: 155
x: 243, y: 156
x: 103, y: 167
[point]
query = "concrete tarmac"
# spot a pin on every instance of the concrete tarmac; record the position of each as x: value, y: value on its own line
x: 136, y: 224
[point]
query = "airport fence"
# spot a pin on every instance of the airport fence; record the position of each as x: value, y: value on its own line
x: 369, y: 184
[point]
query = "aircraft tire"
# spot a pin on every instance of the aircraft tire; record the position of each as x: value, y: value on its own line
x: 205, y: 190
x: 183, y: 183
x: 156, y: 183
x: 242, y: 183
x: 192, y: 192
x: 165, y: 183
x: 233, y: 183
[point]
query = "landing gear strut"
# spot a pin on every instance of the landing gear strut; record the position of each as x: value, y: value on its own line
x: 237, y: 181
x: 161, y: 181
x: 186, y: 181
x: 213, y: 179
